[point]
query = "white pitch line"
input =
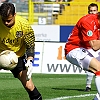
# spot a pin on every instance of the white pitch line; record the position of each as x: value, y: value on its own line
x: 67, y: 97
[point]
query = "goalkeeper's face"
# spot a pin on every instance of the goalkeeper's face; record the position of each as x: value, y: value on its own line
x: 9, y: 21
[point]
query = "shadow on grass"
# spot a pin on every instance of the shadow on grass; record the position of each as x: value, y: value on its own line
x: 71, y: 89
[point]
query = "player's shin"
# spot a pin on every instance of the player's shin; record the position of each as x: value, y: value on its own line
x: 97, y: 81
x: 35, y: 95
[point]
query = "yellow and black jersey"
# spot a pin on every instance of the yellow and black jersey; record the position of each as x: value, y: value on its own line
x: 19, y: 38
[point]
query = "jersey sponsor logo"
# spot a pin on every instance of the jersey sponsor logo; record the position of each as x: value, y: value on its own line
x: 8, y: 40
x: 89, y: 33
x: 19, y: 33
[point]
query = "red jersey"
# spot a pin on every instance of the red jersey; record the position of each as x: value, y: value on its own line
x: 85, y: 30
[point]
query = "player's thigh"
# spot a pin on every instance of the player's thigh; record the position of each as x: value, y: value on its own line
x: 80, y: 57
x: 94, y: 65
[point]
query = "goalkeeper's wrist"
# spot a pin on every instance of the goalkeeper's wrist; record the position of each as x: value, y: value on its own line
x: 30, y: 58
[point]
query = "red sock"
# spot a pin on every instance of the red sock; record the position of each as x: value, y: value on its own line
x: 97, y: 73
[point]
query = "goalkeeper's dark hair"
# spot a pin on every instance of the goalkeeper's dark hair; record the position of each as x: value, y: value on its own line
x: 7, y: 9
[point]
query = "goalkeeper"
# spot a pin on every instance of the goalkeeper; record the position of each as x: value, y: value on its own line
x: 17, y: 35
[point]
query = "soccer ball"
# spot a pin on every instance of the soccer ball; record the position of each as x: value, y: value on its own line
x: 8, y: 60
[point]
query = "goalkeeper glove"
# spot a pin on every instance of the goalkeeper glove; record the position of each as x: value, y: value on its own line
x: 29, y: 68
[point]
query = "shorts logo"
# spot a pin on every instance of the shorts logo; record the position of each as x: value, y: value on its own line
x: 89, y: 33
x: 19, y: 34
x: 84, y: 50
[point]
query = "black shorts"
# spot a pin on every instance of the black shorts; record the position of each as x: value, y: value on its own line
x: 20, y: 66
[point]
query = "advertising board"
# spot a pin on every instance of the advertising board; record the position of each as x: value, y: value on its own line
x: 54, y: 61
x: 46, y: 32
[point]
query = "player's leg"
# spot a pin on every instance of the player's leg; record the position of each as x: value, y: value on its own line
x: 29, y: 86
x: 20, y: 72
x: 96, y: 71
x: 89, y: 77
x: 81, y: 58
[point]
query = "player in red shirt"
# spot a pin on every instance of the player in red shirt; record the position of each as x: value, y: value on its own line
x: 83, y: 46
x: 85, y: 30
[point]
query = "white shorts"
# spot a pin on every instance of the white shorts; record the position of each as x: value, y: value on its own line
x: 81, y: 57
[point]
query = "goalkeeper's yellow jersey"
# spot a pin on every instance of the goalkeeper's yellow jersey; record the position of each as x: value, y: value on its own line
x: 17, y: 38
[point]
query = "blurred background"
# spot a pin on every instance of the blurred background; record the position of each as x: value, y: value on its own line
x: 52, y: 12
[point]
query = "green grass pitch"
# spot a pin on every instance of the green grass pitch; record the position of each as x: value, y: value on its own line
x: 51, y: 86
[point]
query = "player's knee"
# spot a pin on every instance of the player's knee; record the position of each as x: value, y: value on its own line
x: 29, y: 86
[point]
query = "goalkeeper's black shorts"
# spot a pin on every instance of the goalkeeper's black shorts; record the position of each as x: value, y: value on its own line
x: 20, y: 66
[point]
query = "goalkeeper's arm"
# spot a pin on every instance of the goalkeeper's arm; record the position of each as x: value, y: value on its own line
x: 29, y: 39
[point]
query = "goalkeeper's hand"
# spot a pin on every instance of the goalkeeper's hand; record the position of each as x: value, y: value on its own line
x: 29, y: 68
